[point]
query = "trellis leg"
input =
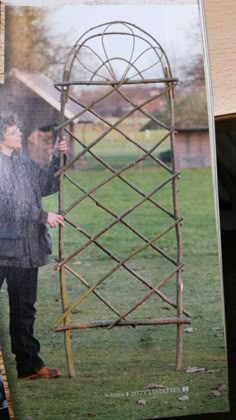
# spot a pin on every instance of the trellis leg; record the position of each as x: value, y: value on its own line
x: 67, y: 334
x: 179, y: 282
x: 180, y: 327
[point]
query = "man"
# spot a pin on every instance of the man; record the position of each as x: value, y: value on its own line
x: 24, y: 241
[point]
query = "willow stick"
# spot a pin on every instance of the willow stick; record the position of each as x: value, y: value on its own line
x: 146, y: 297
x: 127, y: 182
x: 111, y: 128
x: 81, y: 278
x: 131, y: 255
x: 106, y: 228
x: 128, y: 225
x: 64, y: 297
x: 129, y: 269
x: 124, y: 323
x: 179, y: 281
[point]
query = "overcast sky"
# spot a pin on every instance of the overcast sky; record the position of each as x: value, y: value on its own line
x: 173, y: 26
x: 93, y: 2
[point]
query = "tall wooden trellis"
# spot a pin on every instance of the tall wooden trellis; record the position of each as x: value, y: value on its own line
x: 95, y: 61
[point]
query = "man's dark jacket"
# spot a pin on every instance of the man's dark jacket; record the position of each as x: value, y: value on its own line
x: 24, y: 238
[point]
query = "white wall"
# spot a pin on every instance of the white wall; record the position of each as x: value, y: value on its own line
x: 221, y: 34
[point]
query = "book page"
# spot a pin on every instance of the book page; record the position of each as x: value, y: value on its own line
x: 130, y: 307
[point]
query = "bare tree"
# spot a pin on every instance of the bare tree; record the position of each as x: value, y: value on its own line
x: 194, y: 75
x: 29, y: 45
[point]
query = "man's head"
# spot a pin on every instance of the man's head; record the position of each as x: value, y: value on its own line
x: 10, y: 134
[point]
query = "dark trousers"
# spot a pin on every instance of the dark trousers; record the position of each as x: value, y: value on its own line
x: 22, y: 292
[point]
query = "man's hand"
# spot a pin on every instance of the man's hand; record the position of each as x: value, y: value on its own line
x: 54, y: 219
x: 60, y: 146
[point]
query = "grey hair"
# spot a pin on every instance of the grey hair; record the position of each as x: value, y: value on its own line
x: 6, y: 120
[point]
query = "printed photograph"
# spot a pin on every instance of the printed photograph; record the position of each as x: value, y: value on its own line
x: 111, y: 296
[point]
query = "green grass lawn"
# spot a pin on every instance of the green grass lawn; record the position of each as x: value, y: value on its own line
x: 115, y: 148
x: 114, y: 367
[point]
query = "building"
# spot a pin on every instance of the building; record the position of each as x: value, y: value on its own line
x: 192, y: 148
x: 35, y: 100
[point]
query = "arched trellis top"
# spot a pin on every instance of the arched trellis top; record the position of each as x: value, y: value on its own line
x: 98, y: 63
